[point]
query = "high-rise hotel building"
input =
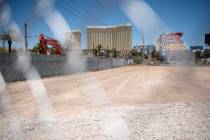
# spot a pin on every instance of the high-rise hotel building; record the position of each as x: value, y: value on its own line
x: 117, y: 36
x: 73, y: 39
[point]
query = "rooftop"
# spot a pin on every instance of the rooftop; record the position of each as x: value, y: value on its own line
x: 108, y: 27
x: 73, y: 31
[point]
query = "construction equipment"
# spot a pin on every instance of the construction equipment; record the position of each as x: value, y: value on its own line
x: 43, y: 48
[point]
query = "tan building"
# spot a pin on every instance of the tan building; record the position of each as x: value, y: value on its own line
x: 118, y: 36
x: 73, y: 39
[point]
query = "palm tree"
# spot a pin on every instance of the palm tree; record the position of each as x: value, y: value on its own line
x: 99, y: 47
x: 115, y: 53
x: 135, y: 55
x: 6, y: 37
x: 205, y: 55
x: 134, y: 52
x: 197, y: 54
x: 155, y: 54
x: 94, y: 51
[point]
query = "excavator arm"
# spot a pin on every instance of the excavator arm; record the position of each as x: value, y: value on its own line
x: 49, y: 41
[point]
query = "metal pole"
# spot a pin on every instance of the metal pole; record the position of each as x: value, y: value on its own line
x: 160, y: 51
x: 26, y: 41
x: 107, y: 51
x: 142, y: 37
x: 93, y: 50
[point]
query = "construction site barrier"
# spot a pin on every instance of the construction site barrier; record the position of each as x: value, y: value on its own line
x: 52, y: 65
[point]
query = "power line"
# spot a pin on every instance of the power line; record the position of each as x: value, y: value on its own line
x: 88, y: 12
x: 100, y: 4
x: 83, y: 14
x: 33, y: 36
x: 32, y: 18
x: 74, y: 14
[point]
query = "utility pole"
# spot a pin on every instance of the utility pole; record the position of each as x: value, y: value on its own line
x: 142, y: 38
x: 107, y: 52
x: 160, y: 54
x: 26, y: 37
x: 93, y: 50
x: 160, y: 51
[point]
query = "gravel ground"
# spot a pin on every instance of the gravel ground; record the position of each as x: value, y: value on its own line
x: 160, y: 121
x: 135, y: 102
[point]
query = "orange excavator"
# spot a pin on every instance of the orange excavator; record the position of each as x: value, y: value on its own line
x: 43, y: 48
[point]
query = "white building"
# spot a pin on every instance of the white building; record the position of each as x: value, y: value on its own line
x: 73, y: 40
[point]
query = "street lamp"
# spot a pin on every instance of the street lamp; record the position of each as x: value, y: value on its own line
x: 160, y: 50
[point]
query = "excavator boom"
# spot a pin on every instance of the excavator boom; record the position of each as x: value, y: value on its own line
x: 49, y: 41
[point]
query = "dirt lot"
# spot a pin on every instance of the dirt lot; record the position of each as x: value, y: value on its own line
x: 135, y: 102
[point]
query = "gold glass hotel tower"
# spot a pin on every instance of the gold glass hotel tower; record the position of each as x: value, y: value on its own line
x: 117, y: 36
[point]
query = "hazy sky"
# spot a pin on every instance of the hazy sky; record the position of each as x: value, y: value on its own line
x: 189, y: 16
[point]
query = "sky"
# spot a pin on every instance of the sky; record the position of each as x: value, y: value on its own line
x: 192, y: 17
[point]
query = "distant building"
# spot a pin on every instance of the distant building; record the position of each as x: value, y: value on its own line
x: 206, y: 47
x: 146, y: 48
x: 194, y: 48
x: 140, y: 48
x: 150, y: 49
x: 207, y: 39
x: 117, y: 36
x: 170, y: 45
x: 73, y: 40
x: 171, y: 41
